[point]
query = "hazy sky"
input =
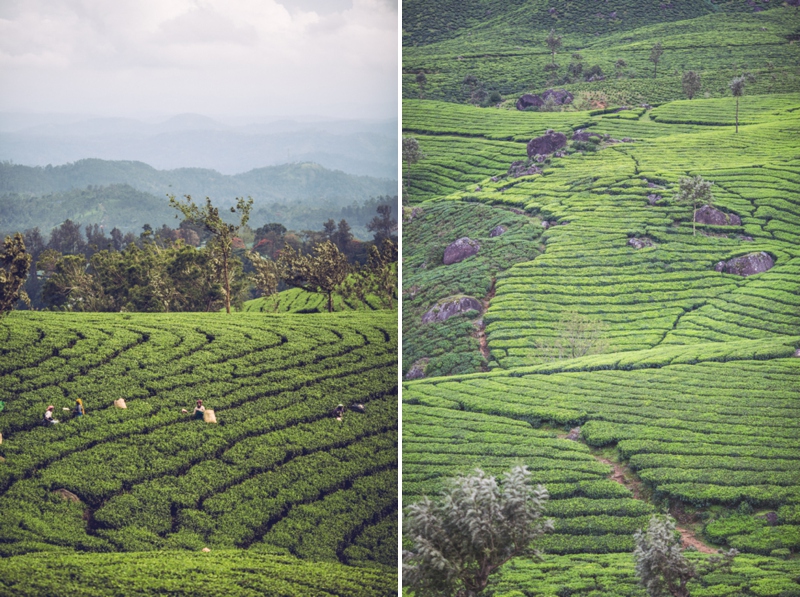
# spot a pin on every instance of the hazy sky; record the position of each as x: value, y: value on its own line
x: 215, y: 57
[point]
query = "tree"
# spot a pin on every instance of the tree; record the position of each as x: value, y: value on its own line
x: 655, y: 56
x: 411, y: 155
x: 222, y: 233
x: 324, y: 272
x: 476, y: 89
x: 619, y: 65
x: 691, y: 83
x: 477, y: 526
x: 553, y: 42
x: 737, y: 89
x: 329, y: 229
x: 383, y: 225
x: 422, y: 81
x: 577, y: 336
x: 660, y: 563
x: 344, y: 236
x: 15, y: 262
x: 266, y: 276
x: 378, y: 276
x: 694, y: 191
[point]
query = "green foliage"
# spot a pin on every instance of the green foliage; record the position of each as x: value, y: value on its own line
x: 14, y: 265
x: 324, y: 273
x: 277, y: 473
x: 180, y: 573
x: 476, y: 527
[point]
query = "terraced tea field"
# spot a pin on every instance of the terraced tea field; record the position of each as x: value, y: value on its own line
x: 690, y: 399
x: 276, y: 474
x: 297, y: 300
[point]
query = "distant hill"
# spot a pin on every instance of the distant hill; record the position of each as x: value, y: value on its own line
x: 130, y: 194
x: 288, y: 182
x: 190, y: 140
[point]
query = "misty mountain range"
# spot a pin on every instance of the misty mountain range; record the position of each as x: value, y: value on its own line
x: 360, y: 147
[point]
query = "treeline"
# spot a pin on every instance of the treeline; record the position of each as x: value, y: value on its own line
x: 203, y: 265
x: 129, y: 209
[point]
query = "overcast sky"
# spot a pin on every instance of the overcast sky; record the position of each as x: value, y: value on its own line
x: 221, y: 58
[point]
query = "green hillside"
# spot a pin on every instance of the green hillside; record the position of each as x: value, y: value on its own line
x: 506, y: 49
x: 690, y: 402
x: 297, y: 300
x: 277, y: 474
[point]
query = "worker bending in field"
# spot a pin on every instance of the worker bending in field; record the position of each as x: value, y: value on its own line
x: 198, y: 411
x: 338, y: 412
x: 48, y: 416
x: 79, y: 410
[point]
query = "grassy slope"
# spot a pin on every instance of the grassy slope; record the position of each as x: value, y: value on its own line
x: 695, y: 391
x: 277, y: 473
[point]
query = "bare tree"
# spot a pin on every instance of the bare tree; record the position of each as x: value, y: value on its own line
x: 553, y: 42
x: 737, y: 89
x: 655, y: 56
x: 477, y: 526
x: 694, y: 191
x: 691, y: 83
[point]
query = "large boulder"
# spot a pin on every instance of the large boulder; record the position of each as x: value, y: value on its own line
x: 450, y: 307
x: 547, y: 143
x: 746, y: 265
x: 715, y: 217
x: 529, y: 101
x: 561, y: 97
x: 459, y: 250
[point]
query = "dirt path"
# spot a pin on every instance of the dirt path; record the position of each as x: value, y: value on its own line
x: 625, y: 477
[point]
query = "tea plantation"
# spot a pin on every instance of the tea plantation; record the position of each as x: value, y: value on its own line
x: 689, y: 400
x: 287, y: 498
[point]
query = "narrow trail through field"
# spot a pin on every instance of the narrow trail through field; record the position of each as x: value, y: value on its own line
x: 624, y: 476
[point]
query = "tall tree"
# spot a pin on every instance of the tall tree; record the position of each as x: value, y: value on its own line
x: 323, y: 273
x: 691, y: 83
x: 477, y: 526
x: 383, y: 225
x: 15, y: 262
x: 222, y: 233
x: 655, y: 56
x: 344, y: 236
x: 737, y: 89
x: 422, y: 81
x: 553, y: 42
x: 694, y: 191
x: 411, y: 155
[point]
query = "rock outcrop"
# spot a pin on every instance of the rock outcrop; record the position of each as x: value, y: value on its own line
x: 450, y: 307
x: 67, y: 495
x: 715, y: 217
x: 417, y: 370
x: 640, y: 243
x: 497, y: 231
x: 521, y: 168
x: 529, y: 100
x: 746, y: 265
x: 574, y: 434
x: 547, y: 143
x: 459, y: 250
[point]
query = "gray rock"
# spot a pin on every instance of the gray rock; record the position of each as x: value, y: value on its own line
x: 497, y: 231
x: 640, y: 243
x: 67, y: 495
x: 715, y: 217
x: 546, y: 144
x: 529, y: 100
x: 520, y: 168
x: 581, y: 135
x: 450, y: 307
x: 653, y: 199
x: 746, y: 265
x: 574, y: 434
x: 459, y: 250
x: 560, y: 97
x: 797, y: 353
